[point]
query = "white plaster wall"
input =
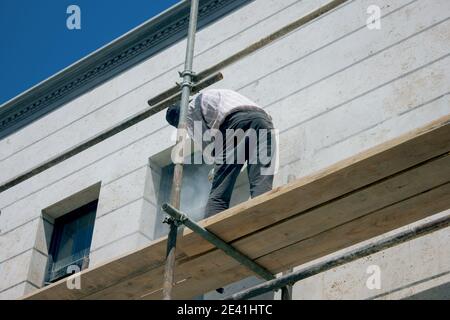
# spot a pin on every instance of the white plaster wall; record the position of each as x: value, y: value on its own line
x: 333, y: 87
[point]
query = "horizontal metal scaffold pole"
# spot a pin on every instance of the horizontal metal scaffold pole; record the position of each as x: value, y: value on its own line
x: 219, y: 243
x: 352, y: 255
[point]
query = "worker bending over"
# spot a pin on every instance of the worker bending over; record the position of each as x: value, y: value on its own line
x: 243, y: 133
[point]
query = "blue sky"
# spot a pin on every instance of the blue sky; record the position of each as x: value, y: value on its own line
x: 35, y: 42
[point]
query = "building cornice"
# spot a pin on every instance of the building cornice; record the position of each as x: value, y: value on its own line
x: 130, y: 49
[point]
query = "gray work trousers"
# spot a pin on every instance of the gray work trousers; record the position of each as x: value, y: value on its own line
x: 225, y: 173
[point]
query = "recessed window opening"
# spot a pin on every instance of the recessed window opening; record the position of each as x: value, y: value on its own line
x: 194, y: 189
x: 71, y: 241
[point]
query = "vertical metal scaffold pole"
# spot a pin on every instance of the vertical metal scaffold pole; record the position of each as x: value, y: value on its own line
x: 186, y: 87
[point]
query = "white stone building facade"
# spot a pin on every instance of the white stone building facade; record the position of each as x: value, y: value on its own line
x: 334, y: 87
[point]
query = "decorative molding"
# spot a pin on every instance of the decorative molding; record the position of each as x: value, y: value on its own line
x: 132, y: 48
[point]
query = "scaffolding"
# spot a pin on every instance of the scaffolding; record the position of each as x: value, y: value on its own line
x: 380, y: 190
x: 285, y: 281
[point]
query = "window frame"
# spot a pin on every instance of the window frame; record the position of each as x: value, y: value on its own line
x: 56, y: 238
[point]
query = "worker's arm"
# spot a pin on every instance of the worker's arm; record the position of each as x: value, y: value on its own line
x: 195, y: 122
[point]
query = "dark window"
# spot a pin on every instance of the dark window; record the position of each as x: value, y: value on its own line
x: 71, y: 241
